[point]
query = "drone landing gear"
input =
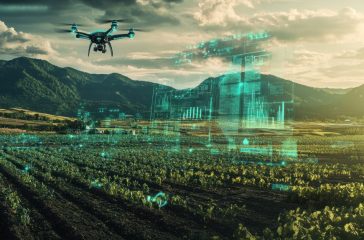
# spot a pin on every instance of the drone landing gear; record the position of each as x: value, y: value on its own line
x: 89, y: 47
x: 103, y: 48
x: 111, y: 51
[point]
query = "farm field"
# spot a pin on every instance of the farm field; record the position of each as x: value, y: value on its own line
x: 81, y: 186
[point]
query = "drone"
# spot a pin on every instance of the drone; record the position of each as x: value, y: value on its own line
x: 102, y: 38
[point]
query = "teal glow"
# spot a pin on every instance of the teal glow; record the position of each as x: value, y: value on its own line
x: 104, y: 154
x: 192, y: 113
x: 242, y: 101
x: 228, y: 46
x: 96, y: 184
x: 257, y: 36
x: 26, y: 169
x: 214, y: 151
x: 160, y: 199
x: 25, y: 138
x: 280, y: 187
x: 213, y: 43
x: 258, y: 110
x: 122, y: 115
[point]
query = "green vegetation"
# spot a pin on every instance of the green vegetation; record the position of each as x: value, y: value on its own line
x: 106, y: 180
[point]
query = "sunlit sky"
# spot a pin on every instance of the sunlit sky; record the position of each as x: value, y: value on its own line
x: 318, y: 43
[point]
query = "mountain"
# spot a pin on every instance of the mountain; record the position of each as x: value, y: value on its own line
x: 337, y: 90
x: 321, y: 103
x: 351, y: 104
x: 40, y: 86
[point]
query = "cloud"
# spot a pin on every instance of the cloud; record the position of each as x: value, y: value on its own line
x: 303, y: 66
x: 357, y: 54
x: 219, y: 13
x: 13, y: 43
x: 141, y: 12
x: 324, y: 69
x: 223, y: 12
x: 304, y: 57
x: 311, y: 25
x: 344, y: 75
x: 292, y: 25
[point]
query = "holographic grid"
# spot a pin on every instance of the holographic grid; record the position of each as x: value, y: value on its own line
x: 173, y: 111
x: 243, y: 102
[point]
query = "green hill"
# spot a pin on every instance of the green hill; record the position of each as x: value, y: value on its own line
x: 40, y: 86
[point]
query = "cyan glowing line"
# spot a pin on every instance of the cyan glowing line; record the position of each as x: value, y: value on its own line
x: 22, y: 8
x: 160, y: 199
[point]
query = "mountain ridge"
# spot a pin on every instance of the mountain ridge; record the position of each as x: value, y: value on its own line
x: 38, y: 85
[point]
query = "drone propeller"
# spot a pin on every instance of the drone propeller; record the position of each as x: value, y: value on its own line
x: 136, y: 29
x: 63, y: 31
x: 72, y: 24
x: 102, y: 21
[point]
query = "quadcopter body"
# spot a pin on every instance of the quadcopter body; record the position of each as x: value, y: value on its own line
x: 101, y: 39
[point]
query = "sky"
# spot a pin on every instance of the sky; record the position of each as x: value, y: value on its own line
x: 318, y: 43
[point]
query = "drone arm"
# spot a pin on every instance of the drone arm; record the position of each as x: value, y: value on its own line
x: 109, y: 30
x: 111, y: 51
x: 119, y: 36
x: 89, y: 47
x: 82, y: 35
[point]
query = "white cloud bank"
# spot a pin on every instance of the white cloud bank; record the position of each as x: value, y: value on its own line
x: 14, y: 43
x: 292, y: 25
